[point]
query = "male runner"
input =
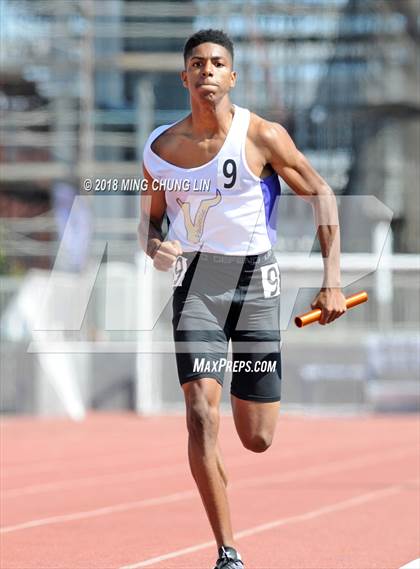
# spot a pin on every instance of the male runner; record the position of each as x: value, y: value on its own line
x: 226, y: 279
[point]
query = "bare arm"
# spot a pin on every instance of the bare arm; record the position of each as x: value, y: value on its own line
x: 295, y: 169
x: 152, y: 211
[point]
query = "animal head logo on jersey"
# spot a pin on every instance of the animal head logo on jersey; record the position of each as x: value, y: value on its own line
x: 195, y: 228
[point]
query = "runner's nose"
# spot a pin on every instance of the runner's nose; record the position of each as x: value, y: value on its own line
x: 207, y: 69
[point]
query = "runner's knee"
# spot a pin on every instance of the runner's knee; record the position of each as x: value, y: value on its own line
x: 202, y: 419
x: 257, y: 443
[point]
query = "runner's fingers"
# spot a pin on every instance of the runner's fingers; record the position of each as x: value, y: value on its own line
x: 333, y: 314
x: 170, y: 248
x: 327, y: 315
x: 324, y: 317
x: 177, y: 247
x: 164, y: 261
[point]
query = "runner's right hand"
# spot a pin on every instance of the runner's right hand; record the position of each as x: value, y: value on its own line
x: 166, y: 255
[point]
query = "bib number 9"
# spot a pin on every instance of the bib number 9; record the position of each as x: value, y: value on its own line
x: 229, y: 172
x: 271, y: 280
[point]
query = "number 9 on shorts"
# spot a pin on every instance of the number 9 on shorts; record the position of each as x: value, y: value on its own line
x: 271, y: 280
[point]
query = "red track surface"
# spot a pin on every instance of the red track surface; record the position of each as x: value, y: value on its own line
x: 115, y: 491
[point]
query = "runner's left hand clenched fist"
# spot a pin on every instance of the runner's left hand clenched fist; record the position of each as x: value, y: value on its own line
x: 166, y: 255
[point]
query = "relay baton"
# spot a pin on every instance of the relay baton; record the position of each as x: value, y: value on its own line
x: 315, y: 315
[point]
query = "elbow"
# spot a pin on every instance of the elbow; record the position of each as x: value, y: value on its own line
x: 323, y: 190
x: 323, y: 198
x: 324, y: 204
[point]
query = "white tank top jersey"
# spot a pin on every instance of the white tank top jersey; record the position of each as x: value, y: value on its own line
x: 219, y: 207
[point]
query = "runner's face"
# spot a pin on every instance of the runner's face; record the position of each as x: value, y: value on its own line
x: 208, y: 72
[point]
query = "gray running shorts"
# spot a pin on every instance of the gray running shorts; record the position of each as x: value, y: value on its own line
x: 218, y: 298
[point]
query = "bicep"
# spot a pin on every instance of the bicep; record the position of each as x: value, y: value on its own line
x: 291, y: 164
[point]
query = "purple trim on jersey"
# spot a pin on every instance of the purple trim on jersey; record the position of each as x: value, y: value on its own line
x: 271, y: 190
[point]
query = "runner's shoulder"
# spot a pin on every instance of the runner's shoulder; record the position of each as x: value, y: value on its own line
x: 263, y: 132
x: 168, y: 142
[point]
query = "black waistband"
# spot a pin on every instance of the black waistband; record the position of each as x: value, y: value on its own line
x: 229, y: 259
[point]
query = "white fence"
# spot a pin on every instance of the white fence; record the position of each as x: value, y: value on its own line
x: 369, y: 357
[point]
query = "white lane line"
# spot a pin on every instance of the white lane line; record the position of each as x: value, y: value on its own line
x: 415, y: 564
x: 71, y: 484
x: 336, y: 466
x: 186, y: 551
x: 253, y: 481
x: 101, y: 511
x: 336, y: 507
x: 162, y: 470
x: 134, y: 475
x: 100, y: 460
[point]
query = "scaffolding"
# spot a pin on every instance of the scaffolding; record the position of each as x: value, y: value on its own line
x: 341, y: 75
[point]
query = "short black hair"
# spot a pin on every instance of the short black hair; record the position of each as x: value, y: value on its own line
x: 210, y: 35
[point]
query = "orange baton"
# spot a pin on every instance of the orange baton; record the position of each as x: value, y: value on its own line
x: 315, y: 315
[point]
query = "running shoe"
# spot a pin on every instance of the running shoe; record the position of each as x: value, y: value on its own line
x: 229, y: 558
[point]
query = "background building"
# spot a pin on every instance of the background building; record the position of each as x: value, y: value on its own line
x: 82, y: 85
